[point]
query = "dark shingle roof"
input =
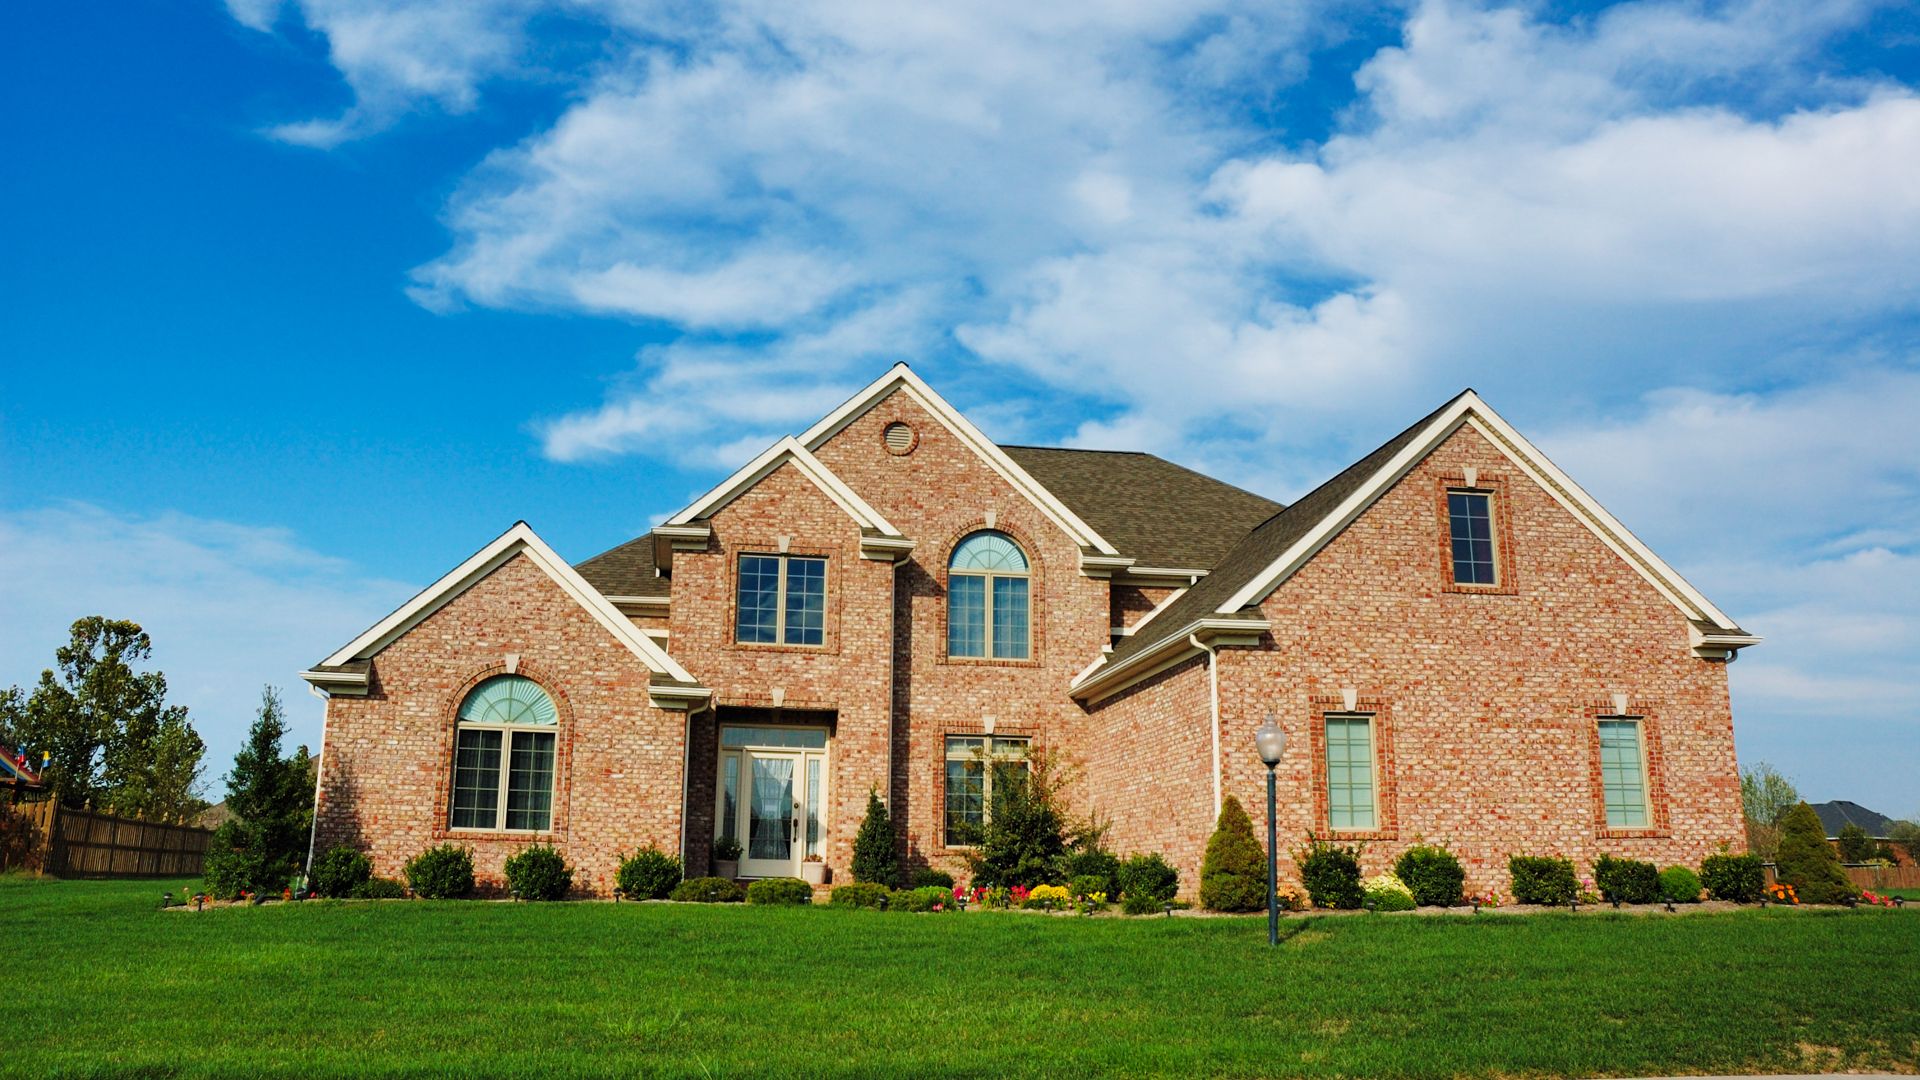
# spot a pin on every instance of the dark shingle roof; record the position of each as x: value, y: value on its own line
x: 626, y: 570
x: 1840, y: 813
x: 1158, y: 513
x: 1259, y: 548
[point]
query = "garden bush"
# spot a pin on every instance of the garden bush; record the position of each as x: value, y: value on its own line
x: 340, y: 871
x: 1330, y: 872
x: 1025, y: 839
x: 1542, y: 879
x: 1088, y: 886
x: 233, y: 865
x: 867, y: 894
x: 875, y: 850
x: 780, y: 890
x: 1142, y: 904
x: 1626, y: 881
x: 1149, y: 877
x: 1233, y: 876
x: 1388, y: 893
x: 708, y: 890
x: 538, y: 872
x: 1679, y: 884
x: 1807, y: 862
x: 1739, y: 878
x: 650, y: 874
x: 927, y: 876
x: 929, y: 898
x: 378, y: 888
x: 1432, y: 873
x: 1094, y: 861
x: 441, y: 873
x: 1047, y: 898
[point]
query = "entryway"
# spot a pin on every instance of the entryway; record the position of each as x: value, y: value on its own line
x: 771, y: 794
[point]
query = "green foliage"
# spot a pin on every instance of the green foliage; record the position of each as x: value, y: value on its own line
x: 340, y: 871
x: 1142, y: 904
x: 708, y: 890
x: 1087, y: 885
x: 1383, y: 895
x: 1095, y: 862
x: 378, y: 888
x: 441, y: 873
x: 928, y: 876
x: 1028, y: 831
x: 1739, y: 878
x: 1149, y: 877
x: 1626, y: 881
x: 537, y: 872
x: 1764, y: 796
x: 1542, y: 879
x: 780, y: 890
x: 876, y: 849
x: 1432, y: 873
x: 648, y: 875
x: 271, y: 797
x: 1233, y: 875
x: 1906, y: 836
x: 1855, y: 845
x: 867, y: 894
x: 1680, y: 885
x: 1807, y: 862
x: 726, y: 849
x: 1330, y: 872
x: 233, y: 866
x: 930, y: 898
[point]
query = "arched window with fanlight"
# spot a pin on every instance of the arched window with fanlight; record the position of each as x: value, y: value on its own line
x: 988, y: 598
x: 503, y: 757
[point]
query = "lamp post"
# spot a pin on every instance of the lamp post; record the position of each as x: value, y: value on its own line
x: 1272, y: 743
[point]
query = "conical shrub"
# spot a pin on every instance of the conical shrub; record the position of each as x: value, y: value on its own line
x: 1234, y: 875
x: 1807, y: 862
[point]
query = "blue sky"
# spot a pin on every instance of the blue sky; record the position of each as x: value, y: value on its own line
x: 305, y: 300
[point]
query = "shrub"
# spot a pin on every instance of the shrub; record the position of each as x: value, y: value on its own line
x: 1388, y: 893
x: 1233, y: 876
x: 648, y: 875
x: 929, y: 898
x: 378, y: 888
x: 1087, y: 886
x: 1331, y: 874
x: 1542, y: 879
x: 1026, y: 836
x: 780, y: 890
x: 1047, y: 898
x: 1149, y: 877
x: 875, y: 849
x: 1432, y: 874
x: 339, y: 872
x: 708, y: 890
x: 1806, y: 861
x: 1142, y: 904
x: 441, y: 873
x: 1680, y: 885
x: 234, y: 864
x: 1095, y: 862
x: 1739, y: 878
x: 867, y: 894
x: 1855, y: 845
x: 1626, y: 881
x: 927, y: 876
x: 537, y: 872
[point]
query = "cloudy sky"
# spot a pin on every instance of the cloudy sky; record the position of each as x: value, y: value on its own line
x: 307, y: 299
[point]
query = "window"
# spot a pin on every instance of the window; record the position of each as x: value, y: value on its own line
x: 987, y: 599
x: 980, y: 769
x: 1623, y: 773
x: 1470, y: 527
x: 509, y: 719
x: 1350, y: 799
x: 783, y: 600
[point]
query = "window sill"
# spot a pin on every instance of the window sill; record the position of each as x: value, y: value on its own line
x: 774, y: 646
x: 990, y: 661
x: 1362, y: 834
x: 1633, y: 834
x: 1495, y: 589
x: 517, y: 835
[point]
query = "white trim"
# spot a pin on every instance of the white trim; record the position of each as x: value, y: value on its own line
x: 519, y: 540
x: 780, y: 453
x: 1469, y: 409
x: 1157, y: 609
x: 349, y: 681
x: 902, y: 378
x: 639, y: 601
x: 1191, y: 576
x: 1100, y: 680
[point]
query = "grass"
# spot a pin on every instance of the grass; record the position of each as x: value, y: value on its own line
x: 102, y: 984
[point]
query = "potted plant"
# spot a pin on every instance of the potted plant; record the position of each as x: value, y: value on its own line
x: 813, y: 870
x: 726, y: 857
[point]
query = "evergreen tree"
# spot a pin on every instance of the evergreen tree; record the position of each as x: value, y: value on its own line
x: 1233, y: 877
x: 1807, y: 861
x: 875, y: 850
x: 271, y: 798
x: 1028, y: 831
x: 1855, y: 845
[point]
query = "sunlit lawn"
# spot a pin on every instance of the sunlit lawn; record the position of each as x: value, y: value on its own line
x: 102, y: 983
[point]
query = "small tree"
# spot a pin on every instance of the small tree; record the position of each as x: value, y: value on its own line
x: 1764, y: 795
x: 1855, y: 845
x: 1906, y: 836
x: 876, y: 854
x: 1807, y: 862
x: 1029, y: 830
x: 272, y: 802
x: 1233, y: 876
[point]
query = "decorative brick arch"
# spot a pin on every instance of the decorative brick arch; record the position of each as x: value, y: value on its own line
x: 565, y: 728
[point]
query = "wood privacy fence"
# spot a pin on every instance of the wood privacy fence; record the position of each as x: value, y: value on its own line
x: 1885, y: 877
x: 44, y: 836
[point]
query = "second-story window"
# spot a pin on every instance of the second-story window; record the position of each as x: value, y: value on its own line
x: 782, y: 600
x: 987, y: 614
x: 1470, y: 531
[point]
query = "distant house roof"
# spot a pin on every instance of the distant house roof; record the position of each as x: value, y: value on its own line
x: 14, y: 767
x: 1840, y: 813
x: 1163, y: 515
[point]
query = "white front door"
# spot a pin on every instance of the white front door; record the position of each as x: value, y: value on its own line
x: 773, y: 801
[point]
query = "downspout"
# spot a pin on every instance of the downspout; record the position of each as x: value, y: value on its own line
x: 1213, y: 681
x: 319, y: 777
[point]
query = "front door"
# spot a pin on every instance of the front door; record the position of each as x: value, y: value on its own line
x: 773, y: 815
x: 772, y: 797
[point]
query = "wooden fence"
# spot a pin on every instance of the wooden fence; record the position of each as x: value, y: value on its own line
x: 45, y: 837
x: 1885, y: 877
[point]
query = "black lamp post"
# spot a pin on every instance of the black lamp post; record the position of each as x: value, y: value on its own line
x: 1272, y: 743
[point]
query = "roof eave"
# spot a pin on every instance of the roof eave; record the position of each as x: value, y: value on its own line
x: 1107, y: 679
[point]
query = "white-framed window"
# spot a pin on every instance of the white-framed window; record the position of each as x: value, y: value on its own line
x: 988, y: 602
x: 980, y: 770
x: 1623, y: 772
x: 503, y: 757
x: 782, y: 600
x: 1351, y: 802
x: 1470, y: 533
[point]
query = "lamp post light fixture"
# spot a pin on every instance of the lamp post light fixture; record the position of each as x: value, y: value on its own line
x: 1272, y: 744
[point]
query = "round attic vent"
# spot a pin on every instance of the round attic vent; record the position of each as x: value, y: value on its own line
x: 900, y: 438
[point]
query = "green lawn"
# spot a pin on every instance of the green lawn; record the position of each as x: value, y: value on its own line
x: 101, y: 983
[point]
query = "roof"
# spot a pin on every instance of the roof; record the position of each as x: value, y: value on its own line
x: 1840, y: 813
x: 1161, y: 514
x: 626, y: 570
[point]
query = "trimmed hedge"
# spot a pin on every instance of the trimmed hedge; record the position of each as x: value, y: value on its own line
x: 1680, y: 885
x: 1432, y: 873
x: 1331, y: 873
x: 340, y: 871
x: 1233, y: 877
x: 1626, y: 881
x: 708, y: 890
x: 379, y: 888
x: 780, y: 890
x: 1149, y: 877
x: 866, y: 894
x: 1094, y: 862
x: 1807, y: 862
x: 441, y: 873
x: 923, y: 899
x: 648, y: 875
x: 1542, y: 879
x: 538, y: 872
x: 927, y: 876
x: 1739, y: 878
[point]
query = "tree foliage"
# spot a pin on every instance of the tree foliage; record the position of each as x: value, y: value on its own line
x: 1029, y: 829
x: 1233, y: 876
x: 1807, y: 862
x: 876, y: 856
x: 271, y: 798
x: 1855, y: 845
x: 1765, y: 794
x: 1906, y: 836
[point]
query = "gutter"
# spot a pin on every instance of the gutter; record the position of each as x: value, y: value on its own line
x: 1213, y: 680
x: 1224, y: 630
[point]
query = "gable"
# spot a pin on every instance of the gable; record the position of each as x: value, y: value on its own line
x: 786, y: 452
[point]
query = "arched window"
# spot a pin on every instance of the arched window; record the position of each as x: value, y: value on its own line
x: 987, y: 598
x: 509, y: 719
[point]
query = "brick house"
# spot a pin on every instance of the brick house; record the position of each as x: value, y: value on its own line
x: 1462, y: 645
